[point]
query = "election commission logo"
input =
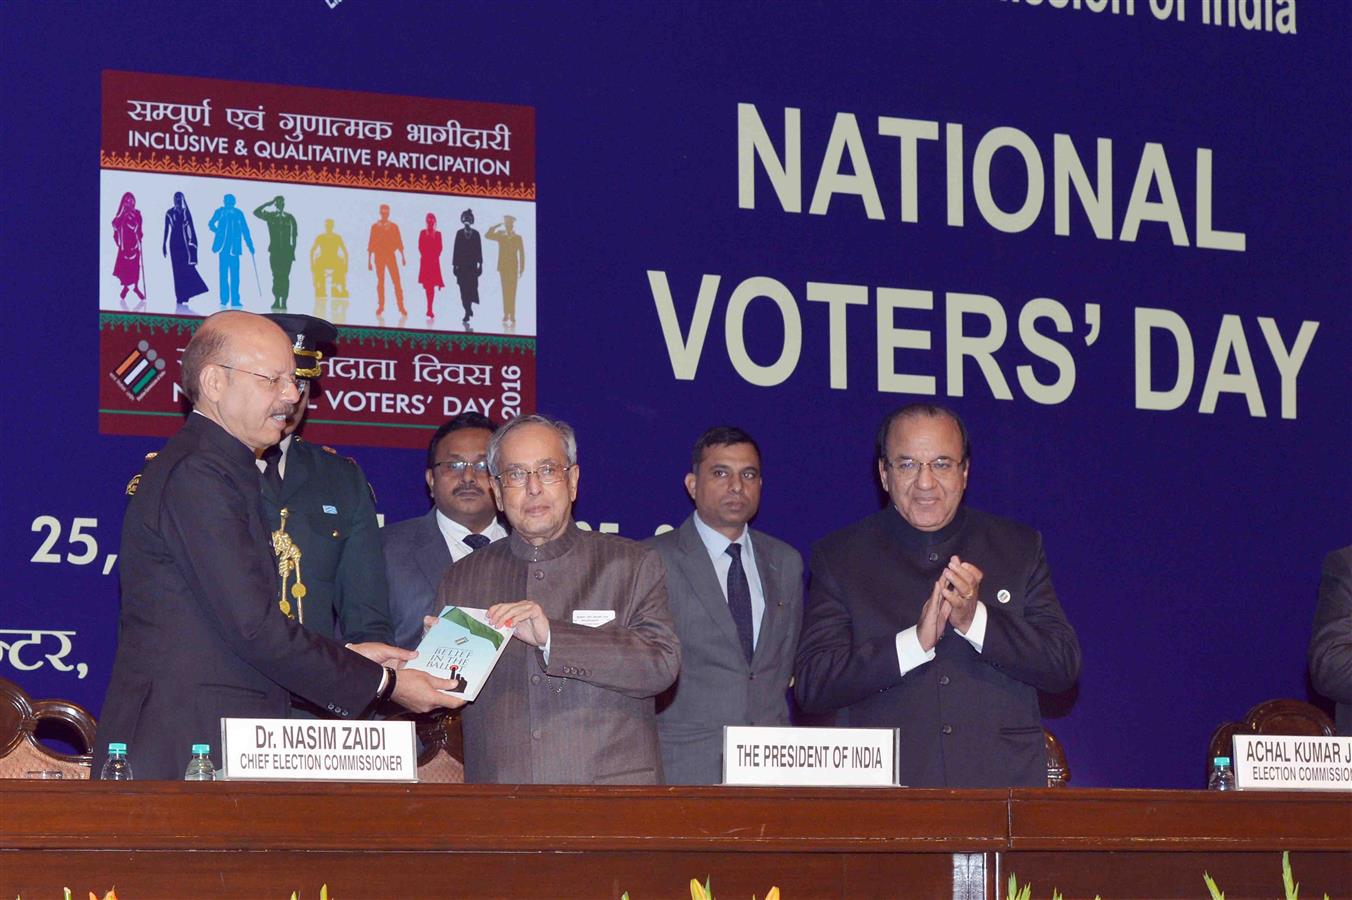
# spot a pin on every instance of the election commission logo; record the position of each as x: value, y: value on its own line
x: 139, y: 371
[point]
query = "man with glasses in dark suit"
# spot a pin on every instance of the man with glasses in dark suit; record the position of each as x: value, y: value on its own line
x: 936, y: 619
x: 204, y: 631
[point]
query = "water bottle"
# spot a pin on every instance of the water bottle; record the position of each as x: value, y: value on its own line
x: 200, y: 767
x: 116, y: 767
x: 1222, y: 776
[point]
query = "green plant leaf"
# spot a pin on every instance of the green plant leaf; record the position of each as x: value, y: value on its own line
x: 1288, y: 882
x: 1216, y: 893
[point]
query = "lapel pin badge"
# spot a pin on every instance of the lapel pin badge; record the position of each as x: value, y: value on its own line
x: 331, y: 510
x: 1002, y: 596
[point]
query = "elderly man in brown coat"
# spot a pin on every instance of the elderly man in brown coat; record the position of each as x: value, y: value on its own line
x: 571, y: 700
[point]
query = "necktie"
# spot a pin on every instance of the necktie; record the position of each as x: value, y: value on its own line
x: 739, y: 599
x: 272, y: 473
x: 476, y: 541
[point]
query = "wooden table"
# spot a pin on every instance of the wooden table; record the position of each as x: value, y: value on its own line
x: 257, y: 841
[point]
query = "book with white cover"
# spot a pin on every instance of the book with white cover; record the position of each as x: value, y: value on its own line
x: 462, y: 645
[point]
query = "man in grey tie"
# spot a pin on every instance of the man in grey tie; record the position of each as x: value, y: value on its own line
x: 462, y: 519
x: 736, y: 597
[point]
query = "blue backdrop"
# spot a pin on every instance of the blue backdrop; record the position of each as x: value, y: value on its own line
x: 1184, y: 541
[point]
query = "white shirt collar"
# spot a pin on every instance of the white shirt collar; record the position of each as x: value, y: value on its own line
x: 455, y: 533
x: 716, y: 542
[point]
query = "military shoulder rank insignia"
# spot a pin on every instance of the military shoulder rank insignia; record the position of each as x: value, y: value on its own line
x: 328, y: 449
x: 136, y: 479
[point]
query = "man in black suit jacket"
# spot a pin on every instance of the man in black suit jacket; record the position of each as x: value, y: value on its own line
x: 936, y: 619
x: 463, y: 517
x: 735, y: 663
x: 1331, y: 642
x: 200, y: 634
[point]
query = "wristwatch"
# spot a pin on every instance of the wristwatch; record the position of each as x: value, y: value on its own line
x: 386, y: 685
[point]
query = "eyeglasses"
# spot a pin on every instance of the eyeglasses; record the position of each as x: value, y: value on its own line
x: 549, y: 473
x: 910, y: 468
x: 748, y: 476
x: 274, y: 381
x: 457, y: 467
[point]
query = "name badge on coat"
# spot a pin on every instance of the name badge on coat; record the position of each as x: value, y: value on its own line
x: 593, y: 618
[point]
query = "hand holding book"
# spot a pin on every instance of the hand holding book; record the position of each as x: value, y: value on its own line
x: 462, y: 645
x: 526, y: 619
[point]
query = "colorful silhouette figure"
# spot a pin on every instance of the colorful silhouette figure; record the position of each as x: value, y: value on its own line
x: 328, y: 263
x: 467, y: 263
x: 282, y: 234
x: 232, y: 235
x: 511, y: 263
x: 180, y: 245
x: 380, y: 250
x: 127, y: 234
x: 429, y: 261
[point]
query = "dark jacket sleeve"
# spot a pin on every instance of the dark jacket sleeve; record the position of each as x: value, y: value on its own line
x: 1331, y: 640
x: 1035, y: 644
x: 206, y: 522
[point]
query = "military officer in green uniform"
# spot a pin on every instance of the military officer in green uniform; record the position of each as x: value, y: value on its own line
x: 330, y: 516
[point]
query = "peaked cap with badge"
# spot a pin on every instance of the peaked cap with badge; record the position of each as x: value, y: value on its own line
x: 308, y: 334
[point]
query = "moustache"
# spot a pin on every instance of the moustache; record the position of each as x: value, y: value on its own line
x: 467, y: 489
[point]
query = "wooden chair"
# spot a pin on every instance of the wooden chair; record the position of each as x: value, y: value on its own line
x: 1271, y: 717
x: 1058, y: 768
x: 442, y: 758
x: 20, y: 750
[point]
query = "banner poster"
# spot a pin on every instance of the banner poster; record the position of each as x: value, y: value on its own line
x: 407, y: 222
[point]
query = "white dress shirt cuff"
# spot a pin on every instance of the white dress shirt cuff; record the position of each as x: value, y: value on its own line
x: 909, y: 652
x: 544, y: 648
x: 976, y: 634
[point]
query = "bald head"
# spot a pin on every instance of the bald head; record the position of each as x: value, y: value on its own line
x: 239, y: 371
x: 211, y: 344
